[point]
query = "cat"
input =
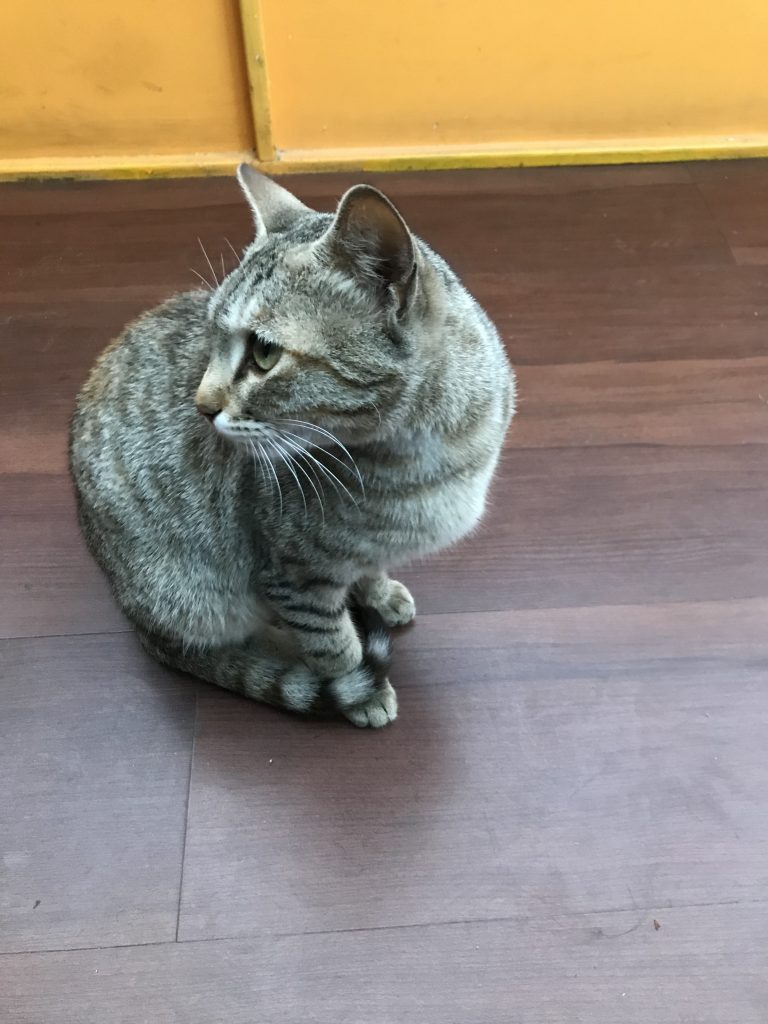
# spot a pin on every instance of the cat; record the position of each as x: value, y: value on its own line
x: 249, y: 463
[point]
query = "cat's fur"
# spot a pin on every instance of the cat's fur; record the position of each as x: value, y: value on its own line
x: 229, y: 544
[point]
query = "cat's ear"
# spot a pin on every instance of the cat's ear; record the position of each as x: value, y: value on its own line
x: 370, y: 240
x: 273, y: 206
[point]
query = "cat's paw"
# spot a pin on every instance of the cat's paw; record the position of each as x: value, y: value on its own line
x: 393, y: 601
x: 379, y: 710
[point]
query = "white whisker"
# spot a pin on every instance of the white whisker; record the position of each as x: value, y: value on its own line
x: 223, y: 268
x: 292, y: 471
x: 205, y: 280
x: 311, y: 462
x: 309, y: 478
x: 234, y: 251
x: 332, y: 437
x: 299, y: 450
x: 261, y: 464
x: 330, y: 475
x: 276, y: 479
x: 335, y: 481
x: 207, y: 260
x: 265, y: 467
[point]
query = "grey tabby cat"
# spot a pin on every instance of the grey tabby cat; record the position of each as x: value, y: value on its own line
x: 250, y: 463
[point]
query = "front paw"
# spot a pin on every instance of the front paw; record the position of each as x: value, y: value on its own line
x: 378, y: 710
x: 366, y: 701
x: 393, y: 601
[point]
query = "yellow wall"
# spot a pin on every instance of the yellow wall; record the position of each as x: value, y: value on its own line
x: 163, y: 84
x: 515, y: 74
x: 84, y: 78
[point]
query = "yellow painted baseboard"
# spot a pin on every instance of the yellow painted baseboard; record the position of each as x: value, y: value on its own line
x: 543, y: 154
x: 602, y: 151
x: 150, y: 165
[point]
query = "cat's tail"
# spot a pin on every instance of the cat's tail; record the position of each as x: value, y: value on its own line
x: 376, y: 640
x: 259, y: 669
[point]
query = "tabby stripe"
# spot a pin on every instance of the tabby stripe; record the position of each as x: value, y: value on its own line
x: 334, y: 553
x: 305, y: 627
x: 338, y: 412
x: 307, y: 608
x: 320, y: 581
x: 323, y: 652
x: 308, y: 581
x: 353, y: 382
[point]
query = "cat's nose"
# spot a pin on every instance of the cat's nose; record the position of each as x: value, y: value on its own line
x: 208, y: 411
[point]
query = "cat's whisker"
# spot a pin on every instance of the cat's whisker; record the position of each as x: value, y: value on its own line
x: 205, y: 280
x: 223, y: 268
x: 332, y: 456
x: 275, y: 477
x: 299, y: 451
x: 337, y: 485
x: 307, y: 454
x: 310, y: 461
x: 291, y: 470
x: 309, y: 478
x: 208, y: 261
x: 264, y: 462
x: 336, y: 441
x: 254, y: 457
x: 332, y: 477
x: 234, y: 251
x: 261, y: 464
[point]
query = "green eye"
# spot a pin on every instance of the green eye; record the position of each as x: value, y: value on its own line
x: 263, y: 352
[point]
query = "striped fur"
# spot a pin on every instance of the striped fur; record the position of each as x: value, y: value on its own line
x: 236, y: 546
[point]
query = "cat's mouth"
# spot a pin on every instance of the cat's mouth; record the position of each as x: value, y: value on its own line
x: 283, y: 432
x: 236, y: 430
x: 246, y: 432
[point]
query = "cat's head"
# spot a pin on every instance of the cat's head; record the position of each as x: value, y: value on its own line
x: 315, y: 325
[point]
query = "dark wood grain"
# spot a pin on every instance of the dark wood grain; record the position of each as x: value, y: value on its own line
x: 703, y: 964
x: 657, y: 225
x: 628, y: 314
x: 94, y: 756
x: 49, y: 584
x: 581, y: 747
x: 543, y: 764
x: 737, y: 195
x: 615, y: 524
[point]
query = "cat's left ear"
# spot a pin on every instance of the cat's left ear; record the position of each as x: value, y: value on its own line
x: 370, y: 240
x: 273, y: 206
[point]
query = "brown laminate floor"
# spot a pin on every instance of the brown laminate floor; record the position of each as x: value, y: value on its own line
x: 569, y: 821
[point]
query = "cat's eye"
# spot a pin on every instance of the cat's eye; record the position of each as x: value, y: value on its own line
x: 263, y: 352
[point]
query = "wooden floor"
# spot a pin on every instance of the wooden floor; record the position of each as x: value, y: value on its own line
x: 569, y: 821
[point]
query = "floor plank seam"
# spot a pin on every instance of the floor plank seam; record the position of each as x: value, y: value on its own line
x: 66, y: 636
x: 522, y: 917
x: 186, y: 810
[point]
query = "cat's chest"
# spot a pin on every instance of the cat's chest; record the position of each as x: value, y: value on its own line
x: 440, y: 516
x: 392, y: 527
x: 438, y: 502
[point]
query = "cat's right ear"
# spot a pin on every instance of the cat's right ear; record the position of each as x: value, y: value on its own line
x: 273, y: 206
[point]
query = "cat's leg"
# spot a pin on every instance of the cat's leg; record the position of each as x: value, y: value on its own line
x: 390, y: 598
x: 320, y: 623
x: 326, y: 640
x: 265, y: 668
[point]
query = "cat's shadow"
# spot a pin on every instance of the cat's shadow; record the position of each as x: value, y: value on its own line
x: 316, y: 818
x: 331, y: 775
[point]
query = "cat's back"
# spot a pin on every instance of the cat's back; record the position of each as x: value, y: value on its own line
x: 159, y: 354
x: 151, y: 482
x: 134, y: 417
